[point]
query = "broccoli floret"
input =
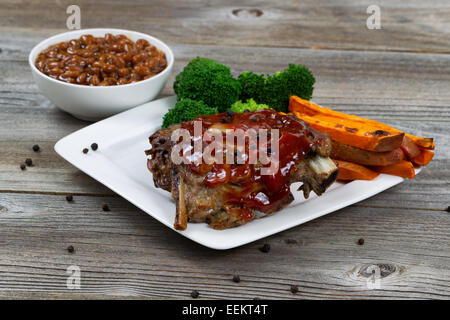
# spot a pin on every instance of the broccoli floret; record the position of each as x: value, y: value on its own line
x: 186, y: 109
x: 208, y: 81
x: 249, y: 105
x: 252, y: 85
x: 295, y: 80
x: 276, y: 90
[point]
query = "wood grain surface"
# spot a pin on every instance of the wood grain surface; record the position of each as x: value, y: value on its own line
x: 413, y: 25
x: 399, y: 74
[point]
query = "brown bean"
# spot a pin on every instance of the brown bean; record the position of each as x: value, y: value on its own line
x: 75, y: 43
x: 127, y: 57
x: 84, y: 53
x: 111, y: 81
x: 54, y: 64
x: 55, y: 71
x: 99, y: 40
x: 142, y: 70
x: 135, y: 77
x: 86, y: 39
x: 92, y: 47
x: 123, y: 72
x: 95, y: 70
x: 128, y: 48
x: 109, y: 37
x: 51, y: 54
x: 98, y: 64
x: 138, y: 58
x: 111, y: 59
x: 94, y: 80
x: 82, y: 78
x: 62, y: 45
x: 109, y: 68
x: 122, y: 81
x: 115, y: 47
x: 141, y: 44
x: 70, y: 74
x: 40, y: 64
x: 120, y: 62
x: 75, y: 68
x: 71, y: 50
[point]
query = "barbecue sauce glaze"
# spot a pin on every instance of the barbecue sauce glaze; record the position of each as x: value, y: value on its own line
x: 246, y: 187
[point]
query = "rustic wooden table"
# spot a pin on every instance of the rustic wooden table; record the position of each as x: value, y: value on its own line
x: 399, y: 74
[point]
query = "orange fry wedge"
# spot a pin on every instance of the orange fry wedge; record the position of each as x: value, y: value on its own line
x: 404, y: 169
x: 423, y: 158
x: 341, y: 151
x: 352, y: 171
x: 367, y: 134
x: 410, y: 149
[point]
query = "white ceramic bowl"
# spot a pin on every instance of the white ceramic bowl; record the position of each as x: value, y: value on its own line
x: 95, y: 102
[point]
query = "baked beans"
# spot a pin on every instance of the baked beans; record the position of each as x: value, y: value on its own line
x: 101, y: 61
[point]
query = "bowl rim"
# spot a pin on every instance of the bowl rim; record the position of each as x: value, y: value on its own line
x: 79, y: 32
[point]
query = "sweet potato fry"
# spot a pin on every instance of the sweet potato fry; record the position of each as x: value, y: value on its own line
x: 304, y: 108
x: 423, y: 158
x: 340, y: 151
x: 404, y: 169
x: 410, y: 149
x: 425, y: 143
x: 352, y: 171
x: 347, y: 132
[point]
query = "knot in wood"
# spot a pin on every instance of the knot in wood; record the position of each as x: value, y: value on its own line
x: 247, y: 13
x: 385, y: 269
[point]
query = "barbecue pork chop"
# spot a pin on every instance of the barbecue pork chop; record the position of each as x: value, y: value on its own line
x: 228, y: 195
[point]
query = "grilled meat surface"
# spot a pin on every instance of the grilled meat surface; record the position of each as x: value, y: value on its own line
x: 228, y: 195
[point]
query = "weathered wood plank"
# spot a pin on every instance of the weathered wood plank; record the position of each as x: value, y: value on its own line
x: 125, y: 253
x: 420, y: 26
x: 406, y: 90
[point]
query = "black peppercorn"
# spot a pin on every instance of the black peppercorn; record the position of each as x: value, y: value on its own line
x: 69, y: 198
x: 105, y: 207
x: 265, y: 248
x: 36, y: 148
x: 71, y: 249
x: 29, y: 162
x: 361, y: 241
x: 195, y: 294
x: 236, y: 278
x: 448, y: 209
x: 94, y: 146
x: 294, y: 289
x: 23, y: 167
x: 85, y: 150
x: 230, y: 113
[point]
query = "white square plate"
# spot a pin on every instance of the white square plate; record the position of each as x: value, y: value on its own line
x: 121, y: 165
